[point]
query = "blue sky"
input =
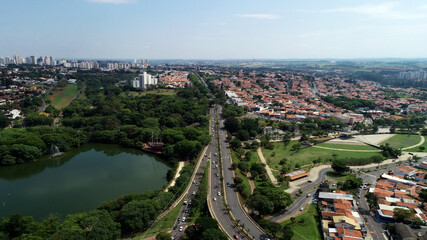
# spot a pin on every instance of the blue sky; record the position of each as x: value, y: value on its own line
x: 214, y: 29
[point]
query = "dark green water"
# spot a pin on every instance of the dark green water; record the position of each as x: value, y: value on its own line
x: 78, y: 181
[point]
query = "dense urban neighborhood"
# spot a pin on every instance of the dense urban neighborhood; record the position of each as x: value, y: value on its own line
x: 254, y: 151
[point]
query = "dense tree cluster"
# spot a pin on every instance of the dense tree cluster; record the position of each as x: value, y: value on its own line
x: 349, y: 103
x: 351, y: 183
x: 230, y: 110
x: 20, y: 145
x: 112, y: 117
x: 268, y: 199
x: 4, y: 121
x: 113, y: 219
x: 339, y: 166
x: 244, y: 129
x: 411, y: 123
x: 205, y: 228
x: 388, y: 151
x: 217, y: 92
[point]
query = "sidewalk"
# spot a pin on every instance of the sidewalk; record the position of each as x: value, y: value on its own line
x: 403, y: 157
x: 269, y: 173
x: 177, y: 174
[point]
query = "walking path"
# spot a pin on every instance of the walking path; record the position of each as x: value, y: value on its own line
x: 251, y: 182
x: 346, y: 150
x: 269, y: 173
x: 354, y: 150
x: 403, y: 157
x: 177, y: 174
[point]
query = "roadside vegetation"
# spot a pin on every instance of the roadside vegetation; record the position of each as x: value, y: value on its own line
x: 303, y: 227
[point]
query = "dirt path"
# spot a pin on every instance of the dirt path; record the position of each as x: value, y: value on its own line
x: 251, y: 182
x: 177, y: 174
x: 346, y: 150
x: 416, y: 145
x: 269, y: 173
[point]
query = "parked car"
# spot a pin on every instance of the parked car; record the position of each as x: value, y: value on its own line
x: 219, y: 193
x: 235, y: 236
x: 214, y: 198
x: 180, y: 228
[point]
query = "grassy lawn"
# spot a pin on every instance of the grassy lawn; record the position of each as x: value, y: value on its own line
x: 163, y: 225
x: 309, y: 229
x: 153, y: 91
x: 306, y: 155
x: 62, y: 97
x: 338, y: 177
x: 416, y: 149
x: 347, y: 146
x: 402, y: 140
x: 241, y: 174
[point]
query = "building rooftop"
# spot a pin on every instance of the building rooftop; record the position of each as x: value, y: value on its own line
x: 328, y: 195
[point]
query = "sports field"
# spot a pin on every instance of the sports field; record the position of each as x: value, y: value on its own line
x: 306, y: 156
x: 402, y: 140
x: 417, y: 149
x: 62, y: 97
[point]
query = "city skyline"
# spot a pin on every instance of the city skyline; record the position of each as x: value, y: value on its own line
x: 127, y: 29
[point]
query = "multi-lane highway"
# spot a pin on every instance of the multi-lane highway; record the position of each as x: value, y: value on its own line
x: 181, y: 222
x: 219, y: 190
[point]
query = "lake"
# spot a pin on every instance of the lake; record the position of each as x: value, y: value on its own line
x: 78, y: 181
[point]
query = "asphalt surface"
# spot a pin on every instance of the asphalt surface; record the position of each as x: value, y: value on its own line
x: 195, y: 183
x: 222, y: 167
x: 306, y: 188
x: 231, y: 194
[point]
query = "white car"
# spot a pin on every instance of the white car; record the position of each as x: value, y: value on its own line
x: 219, y: 193
x: 180, y: 228
x: 194, y: 192
x: 214, y: 198
x: 301, y: 209
x: 183, y: 219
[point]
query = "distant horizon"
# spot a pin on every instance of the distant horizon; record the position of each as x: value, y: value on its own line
x: 229, y: 59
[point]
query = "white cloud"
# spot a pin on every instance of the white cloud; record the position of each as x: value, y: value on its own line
x: 112, y: 1
x: 389, y: 10
x: 259, y: 16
